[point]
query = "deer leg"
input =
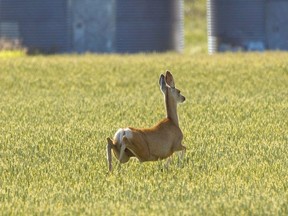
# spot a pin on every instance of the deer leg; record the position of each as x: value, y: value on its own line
x: 139, y: 150
x: 168, y: 161
x: 109, y: 156
x: 181, y: 155
x: 183, y: 151
x: 121, y: 154
x: 122, y: 149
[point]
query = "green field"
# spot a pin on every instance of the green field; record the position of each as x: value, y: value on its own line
x: 56, y: 112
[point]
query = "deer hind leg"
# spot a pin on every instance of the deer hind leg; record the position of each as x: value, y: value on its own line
x: 138, y: 149
x: 122, y: 152
x: 122, y: 155
x: 109, y: 155
x: 118, y: 148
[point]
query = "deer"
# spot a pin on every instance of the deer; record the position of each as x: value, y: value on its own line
x: 155, y: 143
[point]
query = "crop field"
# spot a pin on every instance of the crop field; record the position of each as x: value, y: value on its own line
x: 56, y: 112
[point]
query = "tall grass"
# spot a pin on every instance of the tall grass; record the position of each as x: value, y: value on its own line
x: 56, y: 112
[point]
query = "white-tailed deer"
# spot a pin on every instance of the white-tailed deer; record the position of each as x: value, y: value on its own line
x: 155, y: 143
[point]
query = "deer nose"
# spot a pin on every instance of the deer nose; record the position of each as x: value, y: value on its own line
x: 184, y: 98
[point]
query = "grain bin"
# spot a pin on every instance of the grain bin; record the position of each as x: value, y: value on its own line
x: 276, y: 19
x: 39, y: 25
x: 236, y: 25
x: 93, y: 25
x: 57, y: 26
x: 149, y: 25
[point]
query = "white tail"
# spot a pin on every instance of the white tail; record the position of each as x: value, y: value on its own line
x: 155, y: 143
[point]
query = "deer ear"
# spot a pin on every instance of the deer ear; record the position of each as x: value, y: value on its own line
x: 169, y: 79
x: 162, y: 83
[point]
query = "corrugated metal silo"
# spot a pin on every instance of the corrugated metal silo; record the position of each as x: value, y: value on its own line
x: 276, y: 24
x: 236, y: 25
x: 93, y: 25
x: 149, y: 25
x: 40, y: 25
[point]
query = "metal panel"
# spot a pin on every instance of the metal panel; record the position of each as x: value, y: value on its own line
x: 276, y: 24
x: 43, y: 25
x: 236, y: 25
x: 149, y: 25
x: 93, y: 25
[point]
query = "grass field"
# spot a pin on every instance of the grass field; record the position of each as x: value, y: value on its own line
x: 56, y: 112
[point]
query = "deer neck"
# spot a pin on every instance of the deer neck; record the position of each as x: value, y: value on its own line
x: 171, y: 109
